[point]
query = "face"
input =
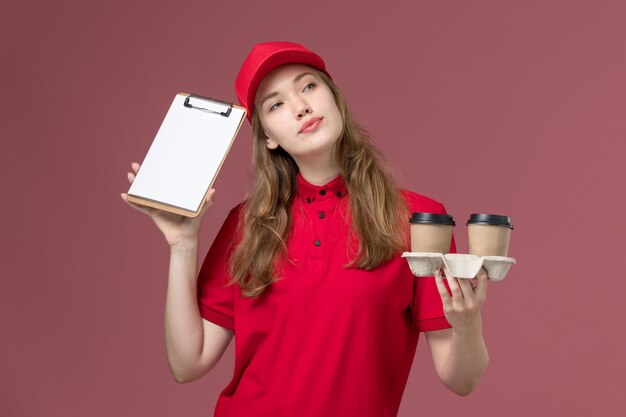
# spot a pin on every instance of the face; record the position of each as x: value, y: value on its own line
x: 287, y: 100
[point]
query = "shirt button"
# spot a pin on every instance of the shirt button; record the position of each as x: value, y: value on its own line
x: 338, y: 193
x: 308, y: 200
x: 321, y: 214
x: 317, y: 243
x: 323, y: 192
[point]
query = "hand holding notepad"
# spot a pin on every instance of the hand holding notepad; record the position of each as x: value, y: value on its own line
x: 175, y: 228
x: 186, y: 154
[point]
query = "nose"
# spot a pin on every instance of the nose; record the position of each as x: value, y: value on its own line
x: 302, y: 108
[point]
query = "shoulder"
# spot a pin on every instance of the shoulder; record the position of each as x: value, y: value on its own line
x: 237, y: 210
x: 231, y: 224
x: 418, y: 202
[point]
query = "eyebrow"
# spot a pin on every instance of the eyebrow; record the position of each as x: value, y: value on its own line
x: 295, y: 80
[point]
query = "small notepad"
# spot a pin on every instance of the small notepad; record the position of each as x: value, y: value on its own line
x: 186, y: 154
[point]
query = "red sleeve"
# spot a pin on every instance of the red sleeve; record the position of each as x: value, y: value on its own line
x: 426, y: 305
x: 215, y: 296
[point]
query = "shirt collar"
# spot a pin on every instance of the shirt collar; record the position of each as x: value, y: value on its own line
x: 308, y: 192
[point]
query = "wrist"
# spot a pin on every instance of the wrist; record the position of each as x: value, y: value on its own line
x: 184, y: 245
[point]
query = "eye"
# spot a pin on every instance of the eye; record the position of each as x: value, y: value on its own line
x: 309, y: 85
x: 274, y: 106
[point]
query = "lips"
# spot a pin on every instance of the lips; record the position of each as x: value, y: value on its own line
x: 311, y: 122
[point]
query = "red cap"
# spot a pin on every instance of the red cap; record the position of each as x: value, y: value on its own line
x: 262, y: 59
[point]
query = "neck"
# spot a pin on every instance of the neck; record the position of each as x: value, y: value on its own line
x: 318, y: 172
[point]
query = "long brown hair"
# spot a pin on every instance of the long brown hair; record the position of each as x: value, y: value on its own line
x: 378, y: 210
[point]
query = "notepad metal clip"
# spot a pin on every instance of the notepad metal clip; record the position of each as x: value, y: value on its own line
x: 208, y: 100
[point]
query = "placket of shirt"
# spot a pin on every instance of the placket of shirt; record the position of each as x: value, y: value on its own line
x: 321, y: 211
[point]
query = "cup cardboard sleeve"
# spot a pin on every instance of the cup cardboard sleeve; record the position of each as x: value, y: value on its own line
x: 424, y: 264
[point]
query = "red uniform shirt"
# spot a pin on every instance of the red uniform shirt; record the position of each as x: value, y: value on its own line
x: 325, y: 340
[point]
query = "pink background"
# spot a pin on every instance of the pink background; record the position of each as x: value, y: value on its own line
x: 487, y: 106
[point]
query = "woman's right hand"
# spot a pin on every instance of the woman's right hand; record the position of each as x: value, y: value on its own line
x: 177, y: 229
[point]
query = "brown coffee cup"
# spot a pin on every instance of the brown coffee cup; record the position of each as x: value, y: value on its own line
x: 489, y: 234
x: 431, y: 232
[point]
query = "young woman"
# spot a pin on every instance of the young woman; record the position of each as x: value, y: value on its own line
x: 307, y: 272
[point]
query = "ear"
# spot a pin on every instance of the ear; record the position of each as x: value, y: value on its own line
x: 269, y: 143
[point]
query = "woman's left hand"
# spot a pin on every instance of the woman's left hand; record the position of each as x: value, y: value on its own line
x: 462, y: 309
